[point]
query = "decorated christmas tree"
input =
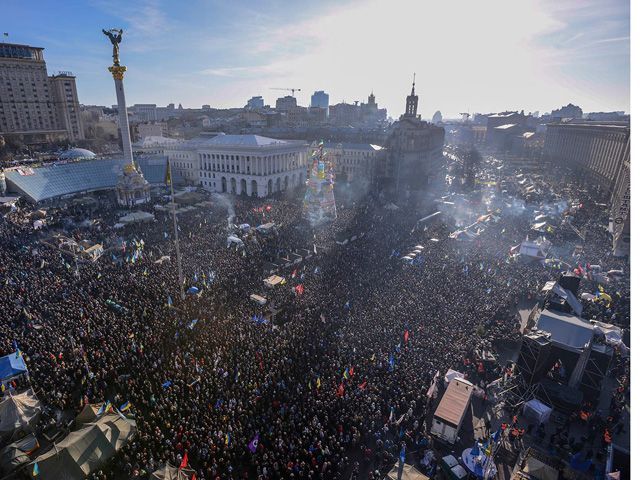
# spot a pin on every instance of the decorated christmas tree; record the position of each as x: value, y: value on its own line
x: 319, y: 203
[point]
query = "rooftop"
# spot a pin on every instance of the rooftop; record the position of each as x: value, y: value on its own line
x: 57, y: 180
x: 565, y: 329
x: 454, y: 402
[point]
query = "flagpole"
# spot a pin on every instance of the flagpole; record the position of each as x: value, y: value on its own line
x: 175, y: 234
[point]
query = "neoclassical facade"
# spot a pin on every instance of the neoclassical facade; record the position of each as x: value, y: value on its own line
x: 243, y: 164
x: 132, y: 188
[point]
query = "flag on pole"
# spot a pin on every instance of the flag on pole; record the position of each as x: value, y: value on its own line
x: 36, y: 469
x: 406, y: 336
x: 185, y: 460
x: 253, y: 444
x: 125, y: 406
x: 403, y: 454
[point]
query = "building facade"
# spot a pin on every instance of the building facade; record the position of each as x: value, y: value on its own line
x: 595, y: 151
x: 151, y: 129
x: 34, y: 106
x: 284, y: 104
x: 354, y: 161
x: 65, y: 95
x: 413, y: 157
x: 143, y: 112
x: 620, y: 225
x: 242, y: 164
x: 255, y: 103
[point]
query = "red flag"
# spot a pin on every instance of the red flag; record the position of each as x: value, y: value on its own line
x: 363, y: 385
x: 351, y: 371
x: 294, y: 273
x: 299, y: 289
x: 406, y: 336
x: 185, y: 460
x: 193, y: 477
x: 340, y: 391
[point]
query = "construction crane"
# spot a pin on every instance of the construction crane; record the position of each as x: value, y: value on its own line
x: 293, y: 90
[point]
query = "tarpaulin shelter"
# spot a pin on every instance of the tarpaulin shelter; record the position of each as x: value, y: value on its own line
x: 19, y: 413
x: 537, y: 411
x: 83, y: 451
x: 12, y: 366
x: 88, y: 414
x: 169, y: 472
x: 17, y: 453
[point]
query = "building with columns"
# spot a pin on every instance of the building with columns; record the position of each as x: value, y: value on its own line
x: 354, y: 161
x: 242, y: 164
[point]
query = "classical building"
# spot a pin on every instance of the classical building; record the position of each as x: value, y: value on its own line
x: 144, y: 112
x: 241, y: 164
x: 413, y: 156
x: 34, y: 106
x: 594, y: 150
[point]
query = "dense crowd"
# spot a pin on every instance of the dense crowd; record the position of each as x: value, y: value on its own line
x: 357, y: 346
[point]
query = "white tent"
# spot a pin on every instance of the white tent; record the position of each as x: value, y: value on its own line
x: 19, y: 413
x: 537, y: 411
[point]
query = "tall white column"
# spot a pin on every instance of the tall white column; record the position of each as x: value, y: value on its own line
x: 118, y: 77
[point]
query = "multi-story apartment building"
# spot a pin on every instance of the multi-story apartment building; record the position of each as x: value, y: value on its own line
x: 33, y: 106
x: 354, y: 161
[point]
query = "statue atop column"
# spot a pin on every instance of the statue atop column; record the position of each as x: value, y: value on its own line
x: 115, y: 36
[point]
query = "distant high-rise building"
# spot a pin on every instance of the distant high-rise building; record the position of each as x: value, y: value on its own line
x: 33, y: 105
x: 206, y: 107
x: 320, y: 99
x: 287, y: 103
x: 65, y: 95
x: 255, y: 103
x: 437, y: 117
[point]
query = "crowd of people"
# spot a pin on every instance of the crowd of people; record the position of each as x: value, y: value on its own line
x: 328, y: 388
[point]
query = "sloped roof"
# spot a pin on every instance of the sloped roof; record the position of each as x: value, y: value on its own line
x: 76, y: 154
x: 19, y: 412
x: 12, y: 365
x: 454, y: 403
x: 244, y: 141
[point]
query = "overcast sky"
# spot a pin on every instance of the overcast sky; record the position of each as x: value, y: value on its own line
x: 468, y: 55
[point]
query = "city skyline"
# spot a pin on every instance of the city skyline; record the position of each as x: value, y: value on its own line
x: 577, y: 52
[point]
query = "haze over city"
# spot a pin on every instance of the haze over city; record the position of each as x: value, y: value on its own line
x: 467, y: 55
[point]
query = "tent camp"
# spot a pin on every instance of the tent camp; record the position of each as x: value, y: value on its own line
x: 88, y: 414
x: 537, y: 249
x: 12, y: 366
x: 169, y: 472
x: 17, y: 453
x: 536, y: 411
x: 84, y: 450
x: 19, y: 413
